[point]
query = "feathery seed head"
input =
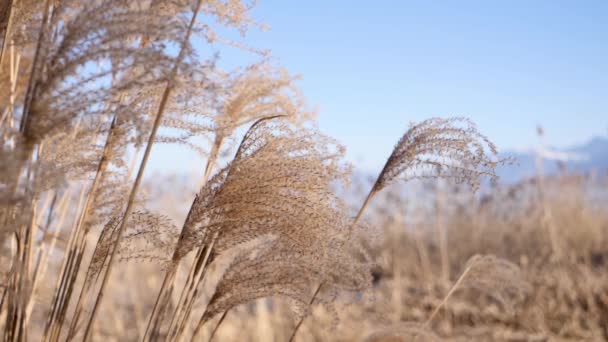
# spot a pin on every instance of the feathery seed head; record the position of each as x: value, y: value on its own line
x: 441, y: 148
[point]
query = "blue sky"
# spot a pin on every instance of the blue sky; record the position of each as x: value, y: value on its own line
x: 372, y: 67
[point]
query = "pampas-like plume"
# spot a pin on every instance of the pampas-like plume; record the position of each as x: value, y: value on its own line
x: 113, y: 57
x: 183, y: 52
x: 257, y: 93
x: 281, y: 272
x: 441, y: 148
x: 280, y: 183
x: 219, y: 105
x: 270, y: 274
x: 435, y: 148
x: 496, y: 277
x: 91, y: 46
x: 148, y: 236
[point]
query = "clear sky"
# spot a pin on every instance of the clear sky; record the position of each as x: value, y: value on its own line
x: 371, y: 67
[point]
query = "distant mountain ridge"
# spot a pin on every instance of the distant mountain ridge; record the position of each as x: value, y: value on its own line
x: 592, y: 155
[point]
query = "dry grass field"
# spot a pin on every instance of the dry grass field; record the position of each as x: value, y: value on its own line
x: 273, y: 239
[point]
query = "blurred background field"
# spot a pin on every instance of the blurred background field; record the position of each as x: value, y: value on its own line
x: 554, y: 226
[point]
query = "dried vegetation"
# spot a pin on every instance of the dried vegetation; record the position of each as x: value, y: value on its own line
x: 267, y: 245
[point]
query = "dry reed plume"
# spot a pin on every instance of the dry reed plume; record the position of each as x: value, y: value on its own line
x: 89, y: 88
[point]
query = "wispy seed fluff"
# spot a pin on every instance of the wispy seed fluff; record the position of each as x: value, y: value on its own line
x: 280, y: 183
x: 441, y: 148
